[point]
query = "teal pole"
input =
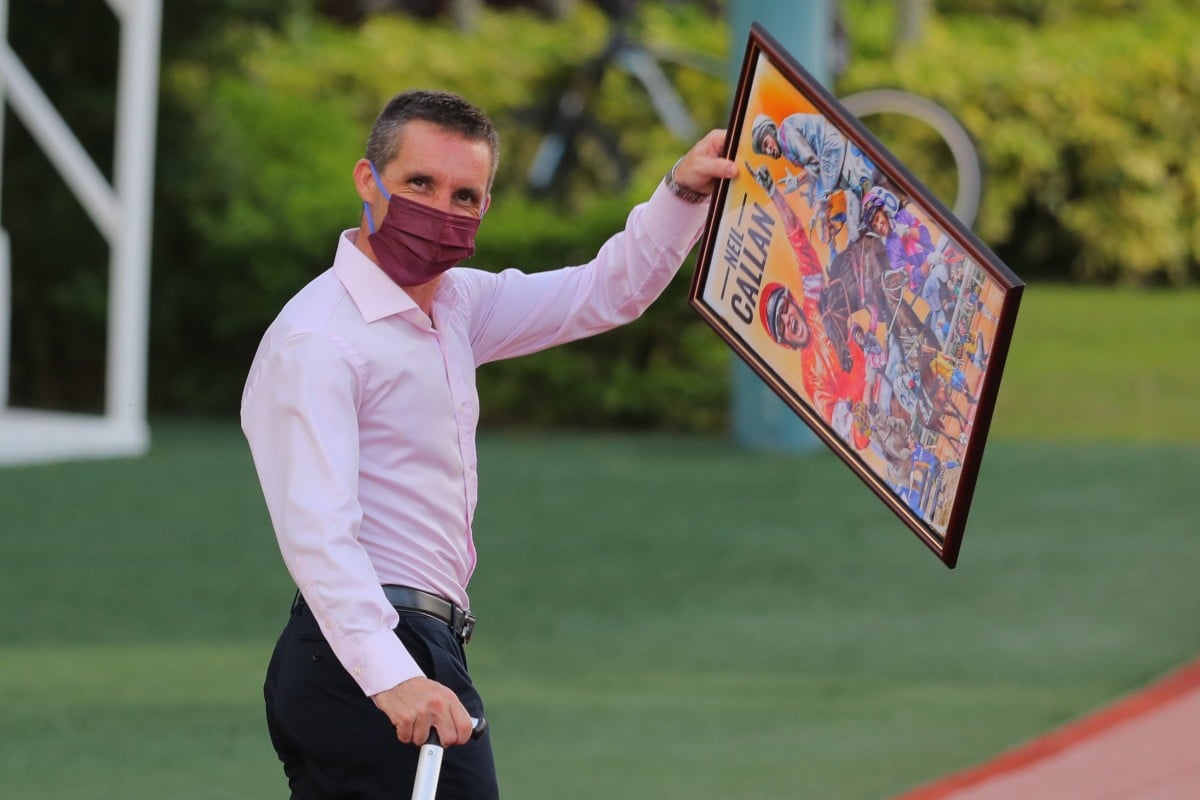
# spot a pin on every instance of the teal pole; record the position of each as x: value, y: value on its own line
x: 760, y: 420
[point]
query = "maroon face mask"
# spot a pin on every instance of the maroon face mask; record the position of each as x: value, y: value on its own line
x: 416, y: 243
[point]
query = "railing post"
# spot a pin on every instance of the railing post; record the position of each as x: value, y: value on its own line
x: 129, y: 287
x: 762, y: 421
x: 122, y: 213
x: 5, y: 263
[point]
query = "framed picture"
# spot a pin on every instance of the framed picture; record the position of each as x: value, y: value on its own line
x: 856, y: 295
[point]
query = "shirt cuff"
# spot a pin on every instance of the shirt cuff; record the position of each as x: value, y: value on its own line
x: 673, y: 223
x: 379, y: 661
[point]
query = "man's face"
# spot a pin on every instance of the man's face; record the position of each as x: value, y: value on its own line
x: 435, y: 167
x: 795, y: 325
x: 770, y: 145
x: 880, y: 222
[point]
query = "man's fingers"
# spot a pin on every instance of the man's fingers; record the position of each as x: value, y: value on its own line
x: 451, y: 732
x: 441, y: 712
x: 455, y: 725
x: 463, y: 724
x: 422, y: 724
x: 705, y: 163
x: 419, y: 705
x: 713, y: 143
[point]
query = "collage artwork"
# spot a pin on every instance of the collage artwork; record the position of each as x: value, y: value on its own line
x: 849, y: 299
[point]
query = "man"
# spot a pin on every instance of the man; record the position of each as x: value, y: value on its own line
x: 947, y: 368
x: 909, y: 243
x: 832, y: 363
x: 828, y: 160
x: 910, y: 248
x: 360, y: 410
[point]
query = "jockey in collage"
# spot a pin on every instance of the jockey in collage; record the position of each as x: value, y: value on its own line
x: 883, y: 323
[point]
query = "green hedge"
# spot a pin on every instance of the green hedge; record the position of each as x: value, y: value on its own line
x: 1084, y: 113
x: 266, y: 188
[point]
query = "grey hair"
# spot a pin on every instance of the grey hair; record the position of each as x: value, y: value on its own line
x: 444, y: 109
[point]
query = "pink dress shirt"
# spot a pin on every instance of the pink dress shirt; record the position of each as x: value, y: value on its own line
x: 361, y: 417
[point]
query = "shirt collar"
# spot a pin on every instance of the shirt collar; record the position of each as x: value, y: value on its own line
x: 375, y: 294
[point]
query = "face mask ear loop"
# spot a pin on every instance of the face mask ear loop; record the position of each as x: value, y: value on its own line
x: 370, y: 216
x: 378, y: 182
x: 386, y: 194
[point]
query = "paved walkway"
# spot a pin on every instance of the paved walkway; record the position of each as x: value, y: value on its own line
x: 1143, y: 747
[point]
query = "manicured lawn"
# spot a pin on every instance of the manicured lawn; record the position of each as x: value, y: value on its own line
x: 661, y: 617
x: 1103, y: 365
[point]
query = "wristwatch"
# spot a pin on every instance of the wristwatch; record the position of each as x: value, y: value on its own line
x: 681, y: 191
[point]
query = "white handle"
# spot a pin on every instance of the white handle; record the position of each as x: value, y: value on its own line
x: 429, y: 763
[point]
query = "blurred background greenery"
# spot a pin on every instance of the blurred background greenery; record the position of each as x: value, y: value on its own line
x: 1084, y: 113
x: 144, y: 594
x: 661, y: 616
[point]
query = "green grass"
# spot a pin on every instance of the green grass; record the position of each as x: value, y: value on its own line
x: 1103, y: 365
x: 661, y: 617
x: 731, y: 611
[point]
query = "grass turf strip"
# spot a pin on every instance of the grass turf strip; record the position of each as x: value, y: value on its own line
x: 660, y: 616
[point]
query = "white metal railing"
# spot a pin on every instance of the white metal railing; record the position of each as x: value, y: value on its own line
x: 122, y: 212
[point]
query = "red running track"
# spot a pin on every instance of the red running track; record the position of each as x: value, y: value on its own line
x: 1145, y: 746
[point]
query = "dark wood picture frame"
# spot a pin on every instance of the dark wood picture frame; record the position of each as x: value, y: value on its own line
x: 856, y: 295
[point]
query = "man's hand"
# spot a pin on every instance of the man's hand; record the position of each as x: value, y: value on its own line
x: 419, y: 704
x: 791, y: 183
x: 762, y: 177
x: 703, y: 165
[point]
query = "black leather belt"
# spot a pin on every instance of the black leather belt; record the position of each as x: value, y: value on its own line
x: 404, y: 598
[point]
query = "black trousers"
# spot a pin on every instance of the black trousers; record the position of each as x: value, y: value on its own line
x: 336, y: 745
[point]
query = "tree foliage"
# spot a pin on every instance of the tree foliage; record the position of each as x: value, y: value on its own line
x: 59, y: 258
x: 1084, y: 114
x: 270, y: 153
x: 1083, y: 111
